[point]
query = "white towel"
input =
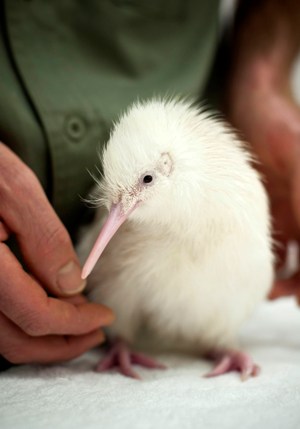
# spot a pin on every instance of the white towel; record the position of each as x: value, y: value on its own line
x: 72, y: 396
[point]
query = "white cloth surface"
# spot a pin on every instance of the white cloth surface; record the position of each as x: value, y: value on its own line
x: 72, y: 396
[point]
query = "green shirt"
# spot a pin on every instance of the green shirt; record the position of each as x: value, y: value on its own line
x: 69, y: 68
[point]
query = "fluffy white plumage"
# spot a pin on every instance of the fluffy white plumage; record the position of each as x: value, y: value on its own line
x: 194, y: 257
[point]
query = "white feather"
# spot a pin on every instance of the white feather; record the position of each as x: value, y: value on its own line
x: 195, y: 257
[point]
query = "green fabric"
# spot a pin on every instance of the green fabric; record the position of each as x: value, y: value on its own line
x: 68, y: 68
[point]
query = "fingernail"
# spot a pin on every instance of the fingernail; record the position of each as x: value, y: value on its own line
x: 96, y: 339
x: 101, y: 337
x: 69, y: 279
x: 108, y: 316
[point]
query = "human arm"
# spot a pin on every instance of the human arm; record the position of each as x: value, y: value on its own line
x: 260, y: 103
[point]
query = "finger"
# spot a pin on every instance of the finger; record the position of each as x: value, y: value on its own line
x: 24, y: 302
x: 17, y: 347
x: 280, y: 249
x: 44, y: 242
x: 76, y: 299
x: 295, y: 194
x: 4, y: 232
x: 282, y: 288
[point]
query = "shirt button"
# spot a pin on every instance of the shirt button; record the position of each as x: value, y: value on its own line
x: 75, y: 128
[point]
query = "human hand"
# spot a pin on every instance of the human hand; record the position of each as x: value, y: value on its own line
x: 33, y: 326
x: 265, y: 42
x: 269, y: 119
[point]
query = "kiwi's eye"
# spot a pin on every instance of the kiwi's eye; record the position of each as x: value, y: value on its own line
x: 147, y: 178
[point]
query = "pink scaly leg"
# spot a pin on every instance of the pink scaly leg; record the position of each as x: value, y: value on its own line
x: 233, y: 360
x: 119, y: 356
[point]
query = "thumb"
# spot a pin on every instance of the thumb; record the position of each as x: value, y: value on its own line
x: 44, y: 242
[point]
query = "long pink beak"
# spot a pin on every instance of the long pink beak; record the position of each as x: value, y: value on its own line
x: 115, y: 219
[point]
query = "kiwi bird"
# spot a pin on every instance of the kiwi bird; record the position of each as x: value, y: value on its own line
x: 186, y: 246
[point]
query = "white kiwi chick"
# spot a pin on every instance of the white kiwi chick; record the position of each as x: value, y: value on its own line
x: 186, y: 247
